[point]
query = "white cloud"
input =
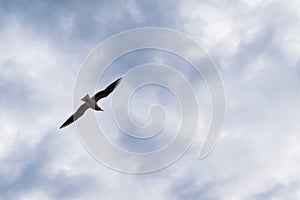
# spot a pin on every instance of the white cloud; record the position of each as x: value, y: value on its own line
x: 258, y: 66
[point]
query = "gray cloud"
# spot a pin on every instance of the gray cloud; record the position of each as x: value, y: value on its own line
x: 279, y: 191
x: 73, y: 25
x: 30, y: 173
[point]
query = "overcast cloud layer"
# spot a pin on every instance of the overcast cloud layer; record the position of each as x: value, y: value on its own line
x: 255, y: 45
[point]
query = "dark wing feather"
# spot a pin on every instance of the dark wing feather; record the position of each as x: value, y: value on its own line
x: 106, y: 91
x: 80, y: 111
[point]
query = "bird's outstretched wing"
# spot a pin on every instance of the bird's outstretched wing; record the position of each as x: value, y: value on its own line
x: 80, y: 111
x: 107, y: 90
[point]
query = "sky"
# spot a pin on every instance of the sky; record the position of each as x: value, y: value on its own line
x: 255, y: 46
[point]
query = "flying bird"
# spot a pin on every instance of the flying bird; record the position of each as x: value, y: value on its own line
x: 91, y: 103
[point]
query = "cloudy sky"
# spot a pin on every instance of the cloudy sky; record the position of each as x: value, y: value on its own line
x: 256, y: 47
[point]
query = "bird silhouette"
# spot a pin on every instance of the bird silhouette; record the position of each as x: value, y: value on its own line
x: 91, y: 103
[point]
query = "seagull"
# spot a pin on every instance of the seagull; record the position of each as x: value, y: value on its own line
x: 91, y: 103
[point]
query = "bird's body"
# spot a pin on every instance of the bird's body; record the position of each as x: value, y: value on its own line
x: 91, y: 103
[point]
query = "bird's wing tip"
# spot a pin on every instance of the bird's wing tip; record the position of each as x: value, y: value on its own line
x: 62, y: 126
x: 118, y: 81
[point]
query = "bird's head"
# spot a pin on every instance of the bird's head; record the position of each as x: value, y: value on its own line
x: 86, y: 98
